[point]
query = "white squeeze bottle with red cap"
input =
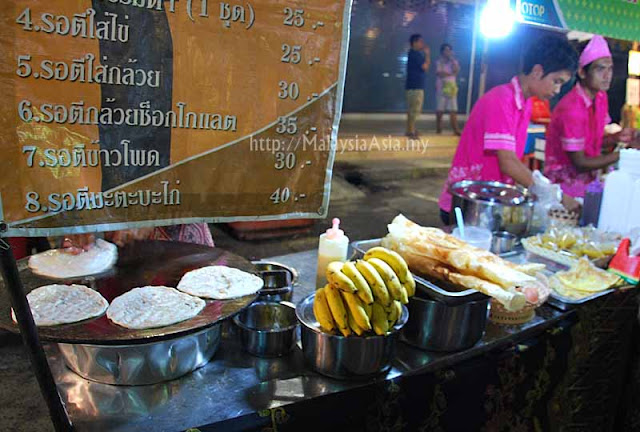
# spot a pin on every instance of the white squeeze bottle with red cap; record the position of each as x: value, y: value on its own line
x: 333, y: 246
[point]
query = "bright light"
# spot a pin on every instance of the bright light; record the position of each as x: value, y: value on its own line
x: 497, y: 19
x: 634, y: 62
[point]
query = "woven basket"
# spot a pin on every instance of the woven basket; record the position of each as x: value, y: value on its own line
x: 563, y: 217
x: 500, y: 315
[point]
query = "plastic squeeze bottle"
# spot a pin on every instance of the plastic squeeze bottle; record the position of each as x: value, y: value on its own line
x: 333, y: 246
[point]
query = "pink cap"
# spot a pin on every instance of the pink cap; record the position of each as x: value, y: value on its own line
x: 335, y: 232
x: 596, y: 48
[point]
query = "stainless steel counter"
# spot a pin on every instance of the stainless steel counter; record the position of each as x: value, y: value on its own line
x: 235, y: 383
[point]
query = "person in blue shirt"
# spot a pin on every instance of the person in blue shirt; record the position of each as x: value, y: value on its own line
x: 418, y: 61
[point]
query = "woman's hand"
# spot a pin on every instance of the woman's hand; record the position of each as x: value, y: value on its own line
x: 78, y: 243
x: 625, y: 135
x: 570, y: 203
x: 124, y: 237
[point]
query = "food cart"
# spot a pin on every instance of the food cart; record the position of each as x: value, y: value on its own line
x: 545, y: 373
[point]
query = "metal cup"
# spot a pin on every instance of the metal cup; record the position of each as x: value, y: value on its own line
x: 279, y: 281
x: 502, y: 242
x: 267, y: 329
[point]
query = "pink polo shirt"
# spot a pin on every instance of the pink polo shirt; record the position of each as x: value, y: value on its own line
x: 498, y: 121
x: 577, y: 124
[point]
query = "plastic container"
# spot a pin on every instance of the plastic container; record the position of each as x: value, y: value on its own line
x: 475, y: 236
x: 332, y: 246
x: 621, y: 188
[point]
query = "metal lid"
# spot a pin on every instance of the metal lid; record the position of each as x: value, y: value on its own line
x: 491, y: 192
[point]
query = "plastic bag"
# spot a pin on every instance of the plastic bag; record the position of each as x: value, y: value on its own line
x: 549, y: 196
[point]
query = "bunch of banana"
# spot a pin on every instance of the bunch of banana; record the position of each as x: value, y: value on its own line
x: 366, y: 295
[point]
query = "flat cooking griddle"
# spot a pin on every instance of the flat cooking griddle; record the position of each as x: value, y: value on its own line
x: 139, y: 264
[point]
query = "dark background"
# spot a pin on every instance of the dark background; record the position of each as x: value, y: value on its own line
x: 379, y: 43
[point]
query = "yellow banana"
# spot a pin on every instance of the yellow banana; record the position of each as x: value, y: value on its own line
x: 397, y: 263
x: 388, y: 275
x: 404, y: 296
x: 362, y: 287
x: 378, y: 287
x: 393, y: 312
x: 368, y: 309
x: 353, y: 325
x: 410, y: 285
x: 346, y: 332
x: 336, y: 306
x: 400, y: 310
x: 357, y: 311
x: 379, y: 319
x: 322, y: 312
x: 339, y: 279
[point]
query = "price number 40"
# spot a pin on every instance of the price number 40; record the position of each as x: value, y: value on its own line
x: 280, y: 195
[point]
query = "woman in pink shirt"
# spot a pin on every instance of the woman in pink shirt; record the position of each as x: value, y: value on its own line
x: 494, y: 137
x: 575, y: 137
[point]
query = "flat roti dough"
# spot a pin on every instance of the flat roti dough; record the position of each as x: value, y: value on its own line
x: 64, y: 304
x: 220, y: 283
x: 153, y: 306
x: 57, y: 264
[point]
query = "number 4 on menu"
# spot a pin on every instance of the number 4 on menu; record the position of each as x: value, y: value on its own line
x: 25, y: 19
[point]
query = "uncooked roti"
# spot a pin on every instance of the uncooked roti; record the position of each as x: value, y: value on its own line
x: 63, y: 304
x: 58, y: 264
x: 220, y: 283
x: 153, y: 306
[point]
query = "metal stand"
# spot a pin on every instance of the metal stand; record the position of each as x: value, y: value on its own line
x: 31, y: 340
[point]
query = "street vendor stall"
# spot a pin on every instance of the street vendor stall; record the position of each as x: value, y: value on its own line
x: 548, y: 371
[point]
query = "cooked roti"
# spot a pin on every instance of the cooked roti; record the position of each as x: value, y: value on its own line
x: 153, y: 306
x: 58, y: 264
x: 220, y: 283
x: 64, y: 304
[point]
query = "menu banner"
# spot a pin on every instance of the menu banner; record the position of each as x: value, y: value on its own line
x: 127, y: 113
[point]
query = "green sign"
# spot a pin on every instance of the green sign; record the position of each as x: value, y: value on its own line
x: 618, y: 19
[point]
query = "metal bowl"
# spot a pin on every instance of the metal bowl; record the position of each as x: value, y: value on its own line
x: 438, y: 326
x: 279, y: 281
x: 345, y: 357
x: 142, y: 364
x: 267, y: 329
x: 493, y: 205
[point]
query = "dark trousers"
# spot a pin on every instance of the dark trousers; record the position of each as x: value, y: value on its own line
x: 444, y: 217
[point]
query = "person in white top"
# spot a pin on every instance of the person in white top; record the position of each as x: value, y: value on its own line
x: 447, y: 68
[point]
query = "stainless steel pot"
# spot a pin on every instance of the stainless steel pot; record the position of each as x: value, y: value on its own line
x: 142, y: 364
x: 267, y: 329
x: 493, y: 205
x: 345, y: 357
x: 436, y: 326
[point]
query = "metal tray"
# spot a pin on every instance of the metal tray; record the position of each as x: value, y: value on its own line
x: 436, y: 291
x: 519, y: 256
x: 559, y: 301
x: 139, y: 264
